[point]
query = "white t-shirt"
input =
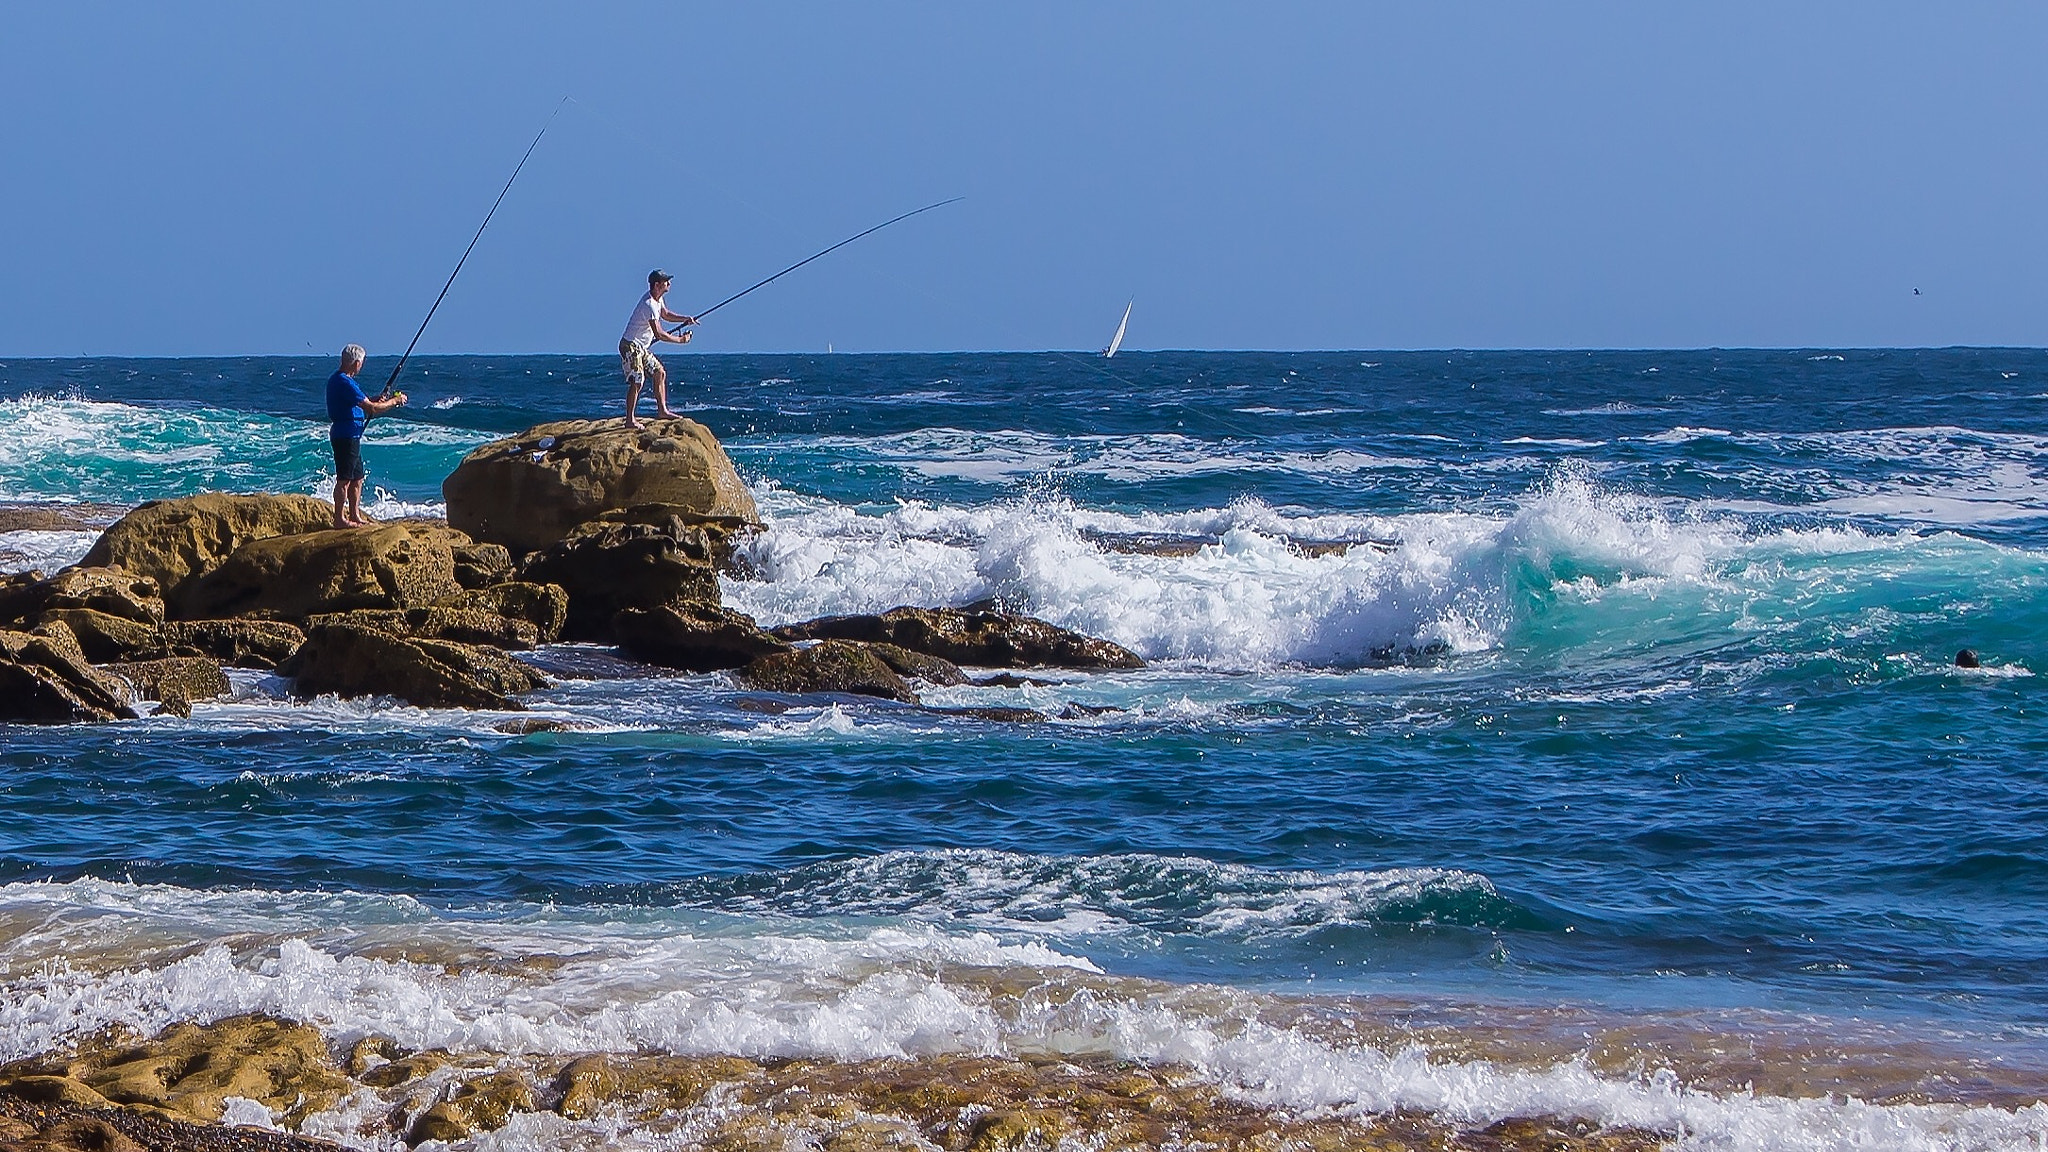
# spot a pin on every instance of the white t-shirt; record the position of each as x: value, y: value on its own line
x: 640, y: 329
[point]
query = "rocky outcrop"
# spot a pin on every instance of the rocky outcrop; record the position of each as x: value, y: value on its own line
x: 100, y: 636
x: 109, y: 590
x: 173, y: 682
x: 984, y: 639
x: 404, y: 565
x: 833, y: 666
x: 46, y: 679
x: 189, y: 1070
x: 545, y: 606
x: 171, y: 541
x: 351, y: 659
x: 528, y: 491
x: 920, y: 665
x: 693, y: 637
x: 461, y: 625
x: 236, y: 643
x: 607, y: 567
x: 482, y: 565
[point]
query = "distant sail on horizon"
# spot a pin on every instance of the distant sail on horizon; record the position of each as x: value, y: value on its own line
x: 1117, y: 341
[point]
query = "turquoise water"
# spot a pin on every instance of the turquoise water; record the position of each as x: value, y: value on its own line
x: 1687, y: 751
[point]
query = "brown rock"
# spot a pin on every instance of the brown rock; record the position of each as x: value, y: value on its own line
x: 482, y: 565
x: 529, y: 490
x: 190, y: 1069
x: 693, y: 637
x: 20, y: 594
x: 966, y: 636
x: 545, y: 606
x: 919, y: 665
x: 833, y: 666
x: 408, y: 565
x: 350, y: 659
x: 175, y: 682
x: 607, y: 568
x: 481, y: 1105
x: 461, y: 625
x: 584, y: 1085
x: 236, y: 643
x: 100, y: 636
x: 45, y: 679
x: 109, y: 590
x: 56, y: 1090
x: 84, y: 1134
x: 170, y: 541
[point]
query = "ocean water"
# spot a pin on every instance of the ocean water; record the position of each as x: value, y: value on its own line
x: 1627, y: 722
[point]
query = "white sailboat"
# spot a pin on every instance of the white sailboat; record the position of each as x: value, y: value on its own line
x: 1117, y: 341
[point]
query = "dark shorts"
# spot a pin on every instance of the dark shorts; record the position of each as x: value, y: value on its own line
x: 348, y: 460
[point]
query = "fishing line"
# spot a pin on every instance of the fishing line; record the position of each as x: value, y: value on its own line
x: 391, y: 381
x: 814, y: 256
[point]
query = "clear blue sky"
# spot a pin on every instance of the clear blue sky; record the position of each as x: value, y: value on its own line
x: 261, y: 177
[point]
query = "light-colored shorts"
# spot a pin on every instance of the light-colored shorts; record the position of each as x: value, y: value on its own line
x: 636, y: 362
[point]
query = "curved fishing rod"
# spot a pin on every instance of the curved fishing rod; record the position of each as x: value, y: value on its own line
x: 806, y: 260
x: 392, y: 380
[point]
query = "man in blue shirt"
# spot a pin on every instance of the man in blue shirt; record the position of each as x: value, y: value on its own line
x: 347, y: 409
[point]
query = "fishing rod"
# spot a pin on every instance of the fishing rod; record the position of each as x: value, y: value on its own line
x: 806, y: 260
x: 391, y: 381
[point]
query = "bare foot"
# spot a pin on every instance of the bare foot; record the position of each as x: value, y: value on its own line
x: 363, y: 521
x: 632, y: 423
x: 340, y: 523
x: 665, y: 414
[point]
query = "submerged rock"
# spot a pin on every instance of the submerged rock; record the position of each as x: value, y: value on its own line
x: 406, y: 565
x: 171, y: 541
x: 607, y: 568
x: 923, y: 666
x: 833, y: 666
x: 984, y: 639
x: 174, y: 682
x: 46, y: 679
x: 528, y: 491
x: 693, y: 637
x: 351, y: 659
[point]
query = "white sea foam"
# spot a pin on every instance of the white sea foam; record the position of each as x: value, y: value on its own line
x: 44, y: 550
x: 1251, y: 598
x: 149, y: 956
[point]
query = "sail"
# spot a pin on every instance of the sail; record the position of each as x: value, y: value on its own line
x: 1117, y: 341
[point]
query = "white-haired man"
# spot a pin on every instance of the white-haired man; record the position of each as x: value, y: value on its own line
x: 636, y: 347
x: 347, y: 409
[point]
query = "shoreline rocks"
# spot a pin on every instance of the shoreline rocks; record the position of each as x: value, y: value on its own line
x: 168, y: 1091
x: 349, y: 658
x: 977, y: 637
x: 528, y: 491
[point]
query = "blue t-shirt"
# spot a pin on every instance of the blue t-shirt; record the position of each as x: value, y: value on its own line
x: 345, y: 407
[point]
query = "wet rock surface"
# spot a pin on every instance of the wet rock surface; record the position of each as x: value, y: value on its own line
x: 977, y: 637
x: 955, y: 1103
x: 461, y: 625
x: 528, y: 491
x: 693, y: 637
x: 352, y: 659
x: 833, y: 666
x: 174, y: 682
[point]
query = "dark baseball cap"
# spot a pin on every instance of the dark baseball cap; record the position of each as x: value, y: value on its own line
x: 658, y: 277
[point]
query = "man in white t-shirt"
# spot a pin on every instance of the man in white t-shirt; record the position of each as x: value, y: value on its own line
x: 636, y: 347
